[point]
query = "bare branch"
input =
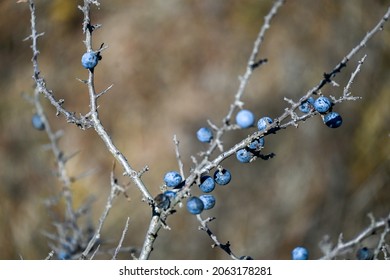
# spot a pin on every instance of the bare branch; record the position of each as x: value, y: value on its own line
x: 118, y: 248
x: 343, y: 247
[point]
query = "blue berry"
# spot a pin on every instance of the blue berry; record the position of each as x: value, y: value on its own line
x: 63, y: 256
x: 257, y: 144
x: 322, y: 104
x: 263, y: 123
x: 333, y: 120
x: 89, y: 60
x: 162, y: 201
x: 207, y: 184
x: 172, y: 179
x: 300, y: 253
x: 195, y: 205
x: 208, y: 201
x: 245, y: 118
x: 306, y: 106
x: 37, y: 122
x: 222, y: 177
x: 170, y: 194
x: 243, y: 155
x: 364, y: 254
x: 204, y: 135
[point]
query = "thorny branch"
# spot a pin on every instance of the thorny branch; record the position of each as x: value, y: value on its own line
x: 205, y: 166
x: 344, y: 247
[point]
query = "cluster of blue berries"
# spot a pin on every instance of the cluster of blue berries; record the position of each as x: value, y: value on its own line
x: 195, y: 205
x: 173, y: 180
x: 244, y: 119
x: 322, y: 105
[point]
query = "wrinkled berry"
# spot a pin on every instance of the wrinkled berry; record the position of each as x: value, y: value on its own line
x: 162, y: 201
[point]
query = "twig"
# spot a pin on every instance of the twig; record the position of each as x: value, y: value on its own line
x: 346, y: 93
x: 118, y: 248
x: 382, y: 241
x: 96, y: 237
x: 251, y: 66
x: 178, y: 157
x: 49, y: 256
x: 83, y: 123
x: 204, y: 226
x: 343, y: 247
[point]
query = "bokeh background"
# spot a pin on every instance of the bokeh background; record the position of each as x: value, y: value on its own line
x: 174, y: 64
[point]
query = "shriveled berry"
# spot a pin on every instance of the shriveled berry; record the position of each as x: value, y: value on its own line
x: 162, y: 201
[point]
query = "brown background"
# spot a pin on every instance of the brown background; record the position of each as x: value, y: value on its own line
x: 174, y: 64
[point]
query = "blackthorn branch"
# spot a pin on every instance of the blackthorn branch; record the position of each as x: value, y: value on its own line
x: 342, y: 247
x: 201, y: 166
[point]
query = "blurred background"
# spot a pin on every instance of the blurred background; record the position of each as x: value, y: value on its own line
x: 174, y: 65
